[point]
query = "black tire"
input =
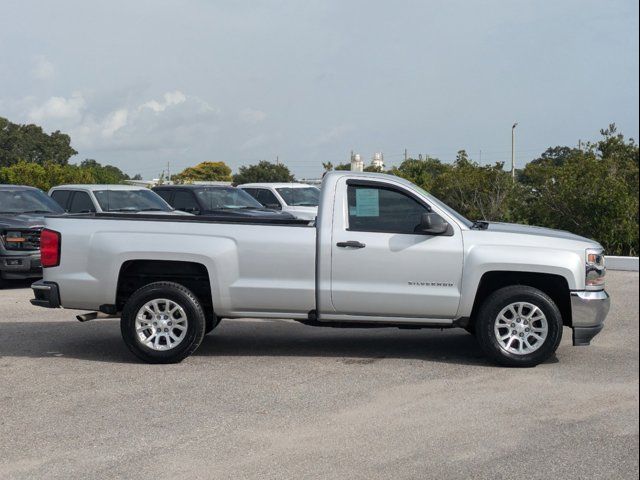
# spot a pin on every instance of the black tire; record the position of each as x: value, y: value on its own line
x: 182, y: 297
x: 492, y: 307
x: 212, y: 322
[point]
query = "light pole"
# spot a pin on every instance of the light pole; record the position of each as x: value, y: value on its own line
x: 513, y: 151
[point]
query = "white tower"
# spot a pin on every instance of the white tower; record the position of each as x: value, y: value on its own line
x: 378, y: 160
x: 357, y: 165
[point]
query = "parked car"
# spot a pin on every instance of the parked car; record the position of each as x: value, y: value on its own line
x: 218, y: 201
x: 299, y: 199
x: 110, y: 198
x: 384, y: 253
x: 22, y: 211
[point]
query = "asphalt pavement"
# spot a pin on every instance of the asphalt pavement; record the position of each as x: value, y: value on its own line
x: 280, y: 400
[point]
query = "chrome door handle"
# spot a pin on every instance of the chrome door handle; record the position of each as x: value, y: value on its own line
x: 350, y: 244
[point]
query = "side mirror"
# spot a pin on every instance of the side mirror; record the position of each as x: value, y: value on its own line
x: 433, y: 224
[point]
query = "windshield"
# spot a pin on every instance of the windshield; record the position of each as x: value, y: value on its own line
x: 300, y: 197
x: 461, y: 218
x: 227, y: 198
x: 131, y: 201
x: 13, y: 202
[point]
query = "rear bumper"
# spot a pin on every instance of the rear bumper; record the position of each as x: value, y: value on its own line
x: 15, y: 266
x: 46, y: 294
x: 589, y: 310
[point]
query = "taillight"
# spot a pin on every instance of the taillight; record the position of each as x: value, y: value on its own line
x: 50, y: 248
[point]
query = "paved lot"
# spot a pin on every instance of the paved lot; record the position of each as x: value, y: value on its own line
x: 276, y: 399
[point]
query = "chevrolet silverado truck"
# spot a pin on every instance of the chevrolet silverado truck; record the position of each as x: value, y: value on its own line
x: 22, y: 211
x: 382, y: 253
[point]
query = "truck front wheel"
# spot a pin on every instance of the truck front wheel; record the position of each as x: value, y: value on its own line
x: 163, y: 322
x: 519, y: 326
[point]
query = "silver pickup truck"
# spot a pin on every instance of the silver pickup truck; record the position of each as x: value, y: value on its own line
x: 382, y: 253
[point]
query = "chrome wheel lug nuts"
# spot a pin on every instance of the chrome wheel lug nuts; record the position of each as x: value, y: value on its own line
x: 522, y: 334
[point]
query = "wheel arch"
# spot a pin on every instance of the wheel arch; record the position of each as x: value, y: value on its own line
x: 555, y: 286
x: 135, y: 274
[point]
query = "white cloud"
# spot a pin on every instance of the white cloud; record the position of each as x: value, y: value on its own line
x: 43, y: 69
x: 59, y: 108
x: 170, y: 99
x: 252, y: 116
x: 175, y: 120
x: 114, y: 122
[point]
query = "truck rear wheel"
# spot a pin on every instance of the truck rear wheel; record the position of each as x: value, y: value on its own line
x: 519, y: 326
x: 163, y: 322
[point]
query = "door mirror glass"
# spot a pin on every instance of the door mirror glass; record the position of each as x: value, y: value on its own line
x: 433, y: 224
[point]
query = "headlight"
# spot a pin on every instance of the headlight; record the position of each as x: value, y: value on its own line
x: 595, y: 268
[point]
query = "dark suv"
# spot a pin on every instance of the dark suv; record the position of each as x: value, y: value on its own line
x: 220, y: 201
x: 22, y: 211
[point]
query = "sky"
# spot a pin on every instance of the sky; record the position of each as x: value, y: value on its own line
x: 142, y: 84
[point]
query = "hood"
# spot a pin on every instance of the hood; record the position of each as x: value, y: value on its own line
x: 25, y: 220
x: 538, y: 231
x: 304, y: 213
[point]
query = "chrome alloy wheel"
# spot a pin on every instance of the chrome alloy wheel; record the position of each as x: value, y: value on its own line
x: 161, y: 324
x: 521, y: 328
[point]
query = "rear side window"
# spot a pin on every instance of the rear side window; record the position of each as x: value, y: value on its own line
x: 81, y: 203
x: 377, y: 209
x: 267, y: 198
x: 61, y: 197
x: 165, y: 194
x: 251, y: 191
x: 185, y: 201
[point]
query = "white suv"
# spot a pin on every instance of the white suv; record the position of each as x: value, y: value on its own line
x: 299, y: 199
x: 110, y: 199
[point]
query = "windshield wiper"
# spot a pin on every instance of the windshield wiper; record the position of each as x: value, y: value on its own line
x: 37, y: 211
x: 480, y: 225
x: 152, y: 210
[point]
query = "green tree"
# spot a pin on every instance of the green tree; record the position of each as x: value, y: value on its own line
x: 423, y: 173
x: 593, y: 193
x: 480, y: 192
x: 343, y: 166
x: 29, y: 143
x: 44, y: 176
x: 205, y: 171
x: 328, y: 166
x: 107, y: 174
x: 263, y: 172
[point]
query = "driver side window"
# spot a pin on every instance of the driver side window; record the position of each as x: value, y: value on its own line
x: 383, y: 209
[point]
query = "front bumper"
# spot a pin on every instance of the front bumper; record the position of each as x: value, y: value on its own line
x: 15, y: 266
x: 46, y: 294
x: 589, y: 310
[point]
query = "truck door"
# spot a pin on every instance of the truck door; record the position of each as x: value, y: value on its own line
x: 380, y: 266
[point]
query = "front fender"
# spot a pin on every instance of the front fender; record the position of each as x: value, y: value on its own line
x: 480, y: 260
